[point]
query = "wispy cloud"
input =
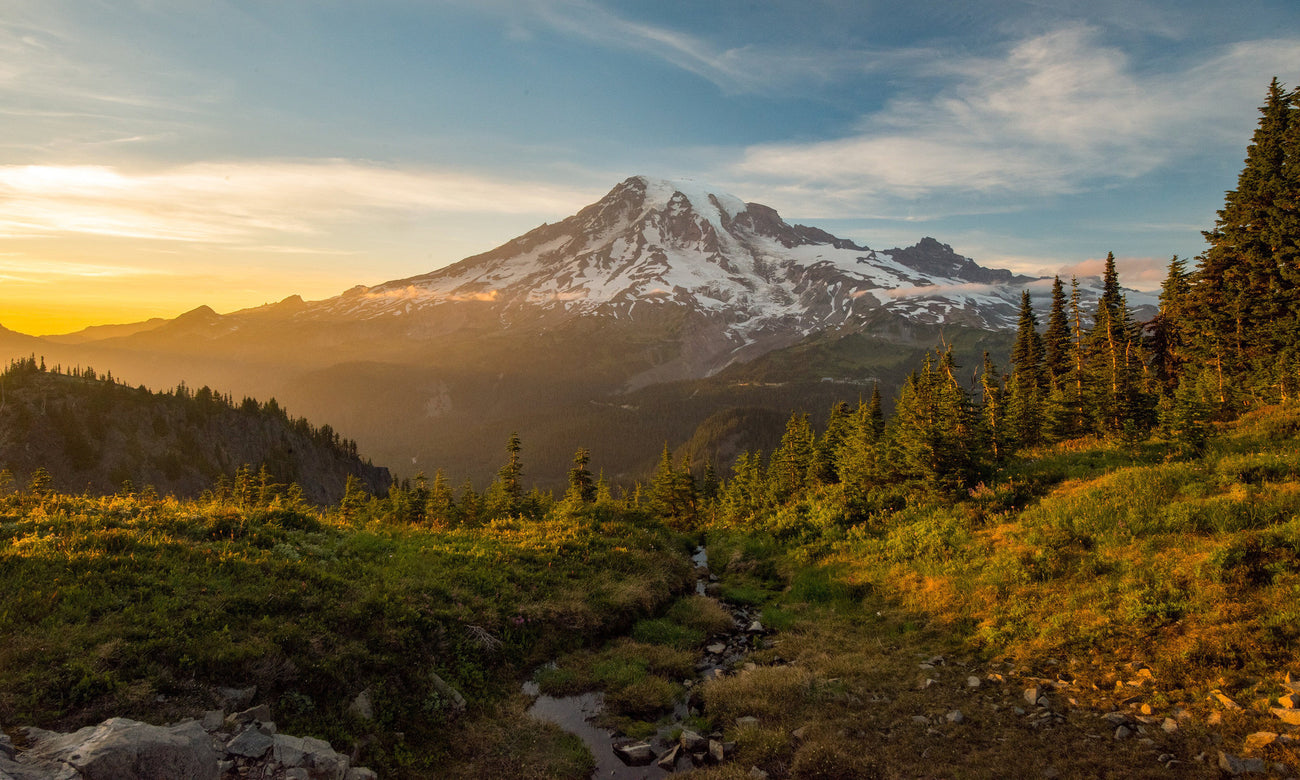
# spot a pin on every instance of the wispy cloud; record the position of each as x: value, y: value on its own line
x: 737, y: 69
x: 239, y: 203
x: 1055, y: 113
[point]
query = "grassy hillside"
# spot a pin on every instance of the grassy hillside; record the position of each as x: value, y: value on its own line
x: 126, y: 606
x: 1118, y: 581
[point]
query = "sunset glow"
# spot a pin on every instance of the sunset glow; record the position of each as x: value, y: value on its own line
x: 303, y: 150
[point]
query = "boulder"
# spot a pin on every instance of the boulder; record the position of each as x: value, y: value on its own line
x: 1286, y: 716
x: 1235, y: 765
x: 635, y: 753
x: 692, y: 742
x: 236, y: 698
x: 123, y: 749
x: 361, y: 707
x: 456, y: 703
x: 321, y: 760
x: 259, y: 713
x: 360, y: 773
x: 250, y: 743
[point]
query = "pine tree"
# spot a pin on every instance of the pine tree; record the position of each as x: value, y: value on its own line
x: 792, y: 462
x: 1056, y: 339
x: 993, y: 408
x: 931, y: 432
x: 1245, y: 295
x: 1166, y: 342
x: 510, y: 475
x: 1024, y: 398
x: 826, y: 452
x: 581, y: 486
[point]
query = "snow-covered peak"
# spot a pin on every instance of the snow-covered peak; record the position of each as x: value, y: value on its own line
x: 719, y: 208
x: 653, y: 242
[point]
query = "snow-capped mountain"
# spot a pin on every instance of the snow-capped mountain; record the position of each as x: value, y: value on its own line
x: 651, y: 243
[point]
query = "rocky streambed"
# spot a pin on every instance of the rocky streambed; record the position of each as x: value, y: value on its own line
x: 676, y: 746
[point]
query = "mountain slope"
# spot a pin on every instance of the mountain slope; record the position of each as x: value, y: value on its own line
x: 91, y: 433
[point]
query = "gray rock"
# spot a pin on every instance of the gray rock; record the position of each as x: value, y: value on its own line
x: 288, y: 750
x: 361, y: 707
x: 6, y: 745
x: 297, y: 773
x: 250, y: 743
x: 717, y: 753
x: 747, y: 722
x: 755, y: 627
x: 717, y: 648
x: 635, y: 753
x: 692, y: 742
x: 1169, y: 725
x: 1235, y: 765
x: 360, y: 773
x: 236, y: 698
x: 668, y: 761
x: 955, y: 717
x: 1122, y: 733
x: 122, y: 749
x: 213, y: 720
x: 1032, y: 695
x: 456, y: 703
x: 322, y: 762
x: 757, y: 774
x: 260, y: 712
x: 973, y: 682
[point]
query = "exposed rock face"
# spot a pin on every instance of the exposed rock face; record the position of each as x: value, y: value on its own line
x: 122, y: 749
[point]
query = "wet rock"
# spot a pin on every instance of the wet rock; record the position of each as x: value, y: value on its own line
x: 635, y: 753
x: 668, y: 761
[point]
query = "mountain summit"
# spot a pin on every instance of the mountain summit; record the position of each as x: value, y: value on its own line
x: 651, y: 243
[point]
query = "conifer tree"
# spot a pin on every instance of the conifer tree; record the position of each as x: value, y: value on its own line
x: 1166, y: 342
x: 792, y: 461
x: 1024, y: 402
x: 1245, y: 295
x: 581, y: 486
x: 1056, y: 339
x: 993, y: 409
x: 931, y: 431
x: 828, y: 446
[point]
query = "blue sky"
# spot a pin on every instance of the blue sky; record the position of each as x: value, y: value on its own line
x: 159, y: 155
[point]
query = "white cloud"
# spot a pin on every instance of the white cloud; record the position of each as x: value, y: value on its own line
x: 1056, y: 113
x: 250, y: 201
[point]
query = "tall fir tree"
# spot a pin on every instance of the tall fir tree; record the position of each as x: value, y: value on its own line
x: 1056, y: 339
x: 1024, y: 403
x: 1244, y: 295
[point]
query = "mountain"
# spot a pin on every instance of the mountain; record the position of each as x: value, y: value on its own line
x: 620, y: 328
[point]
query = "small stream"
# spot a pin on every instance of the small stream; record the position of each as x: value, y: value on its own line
x: 575, y: 713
